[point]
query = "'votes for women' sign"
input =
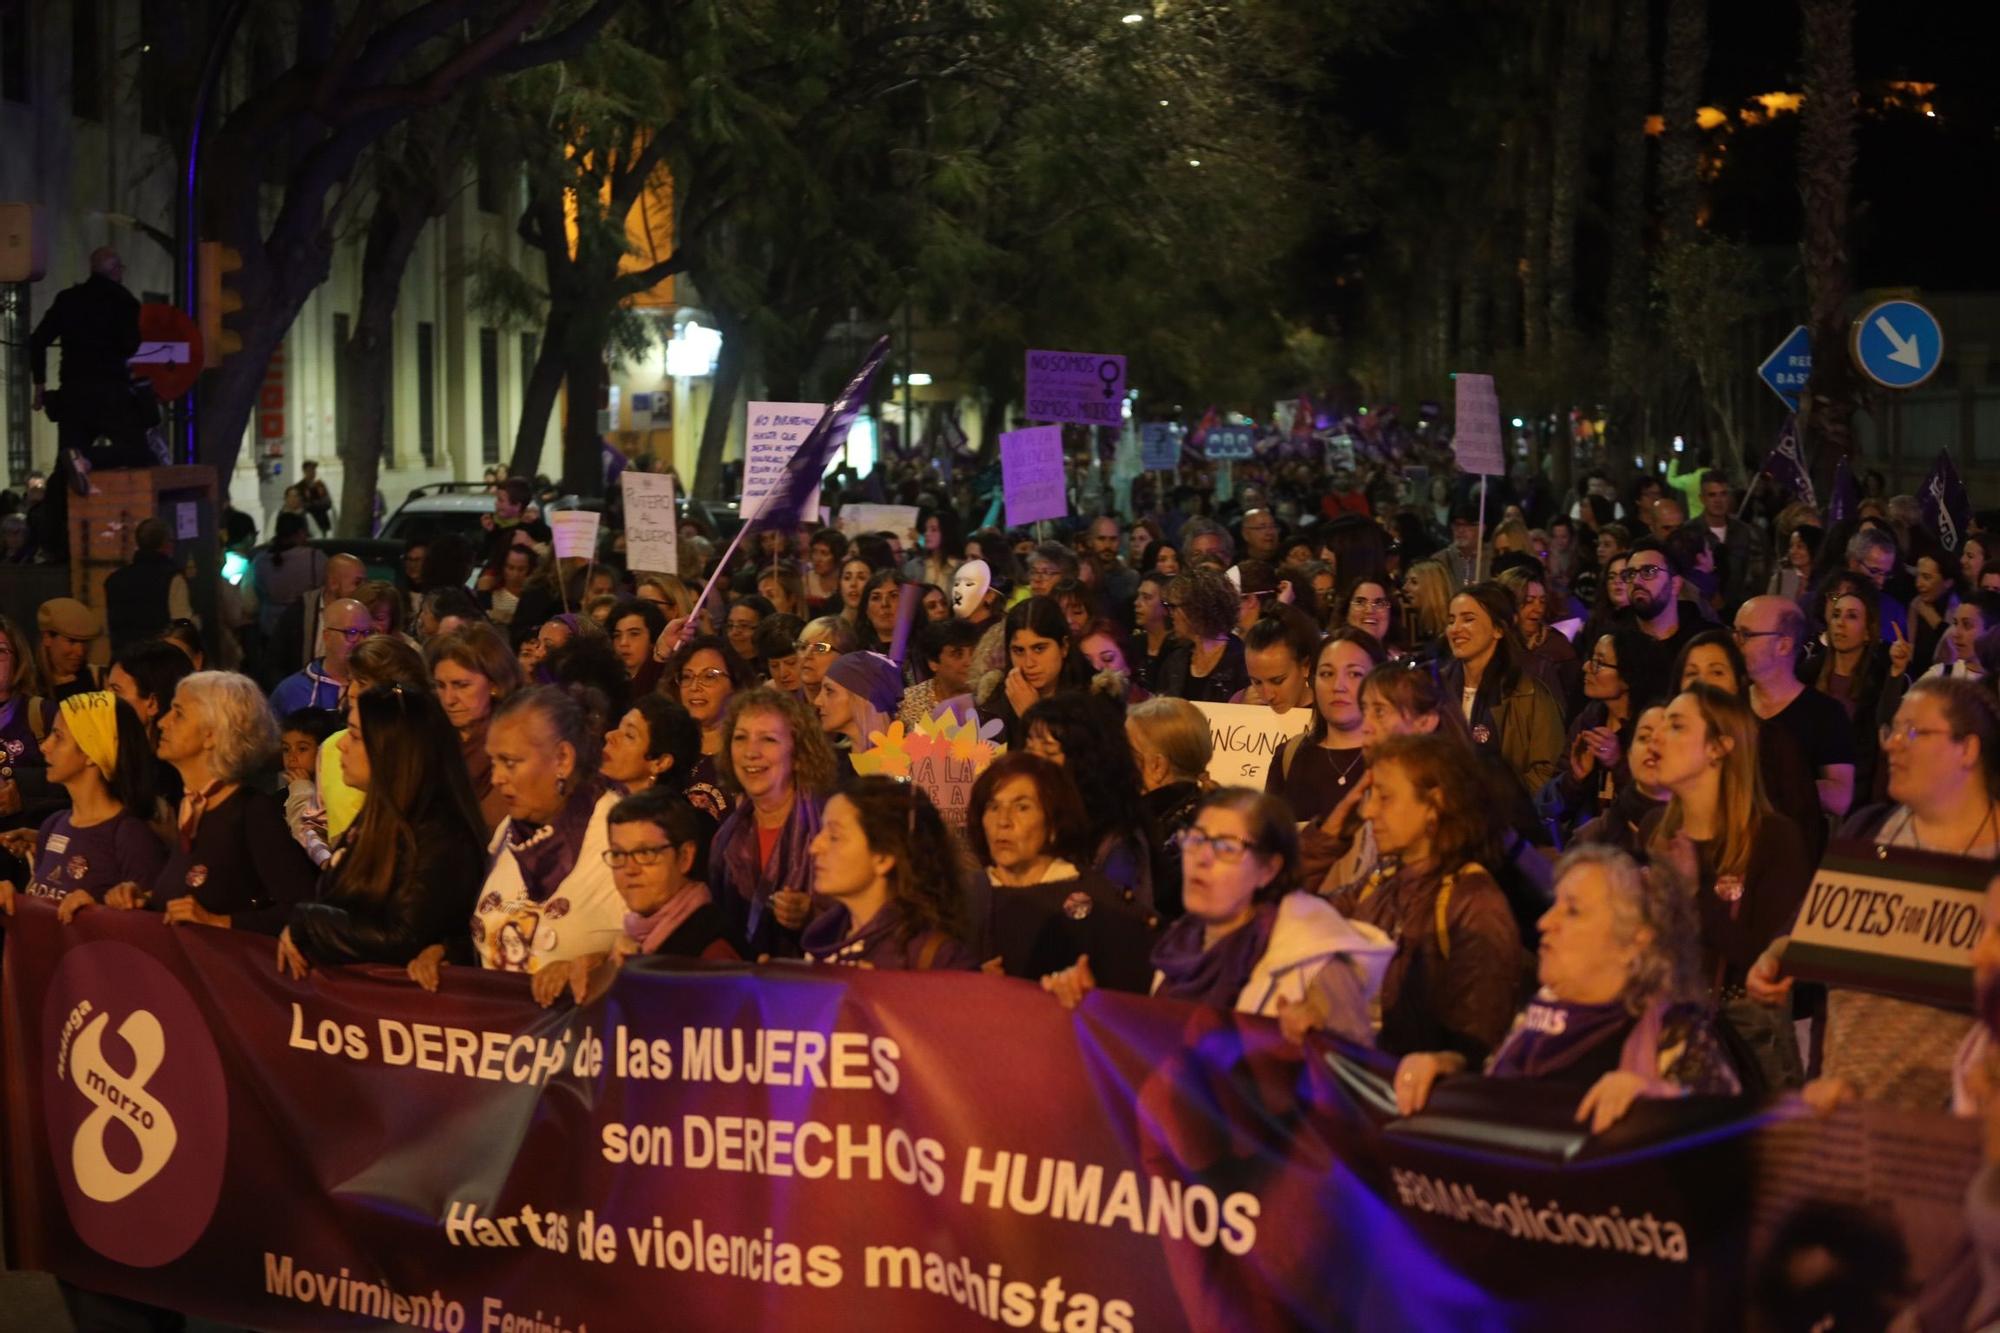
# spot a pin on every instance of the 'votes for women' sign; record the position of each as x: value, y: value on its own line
x: 1031, y: 475
x: 1892, y: 920
x: 1083, y: 388
x: 849, y: 1149
x: 1248, y: 738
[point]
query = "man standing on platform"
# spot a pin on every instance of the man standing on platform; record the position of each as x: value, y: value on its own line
x: 97, y: 323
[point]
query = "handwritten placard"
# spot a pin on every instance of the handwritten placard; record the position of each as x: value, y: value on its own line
x: 944, y: 754
x: 858, y: 519
x: 652, y: 527
x: 1247, y: 739
x: 1476, y: 429
x: 1087, y: 388
x: 1031, y: 475
x: 775, y: 432
x: 1159, y: 447
x: 1890, y: 920
x: 575, y: 533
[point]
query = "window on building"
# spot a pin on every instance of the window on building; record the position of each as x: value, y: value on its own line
x: 14, y: 53
x: 86, y: 62
x: 489, y: 395
x: 427, y: 392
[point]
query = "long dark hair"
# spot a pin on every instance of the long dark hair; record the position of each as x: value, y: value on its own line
x: 1503, y: 672
x: 1043, y: 616
x: 899, y: 821
x: 1091, y: 730
x: 135, y: 785
x: 415, y: 776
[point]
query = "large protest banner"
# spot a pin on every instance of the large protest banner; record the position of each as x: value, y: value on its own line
x: 845, y: 1149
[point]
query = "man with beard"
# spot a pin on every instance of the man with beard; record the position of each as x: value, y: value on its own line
x: 1654, y: 605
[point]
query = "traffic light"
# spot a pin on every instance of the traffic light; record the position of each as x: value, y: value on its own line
x: 217, y: 299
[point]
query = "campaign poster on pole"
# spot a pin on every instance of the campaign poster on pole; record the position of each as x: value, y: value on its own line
x: 652, y: 527
x: 1476, y: 430
x: 775, y: 432
x: 575, y: 533
x: 1031, y: 474
x: 1085, y: 388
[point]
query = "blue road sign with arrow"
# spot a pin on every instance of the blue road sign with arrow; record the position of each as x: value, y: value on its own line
x: 1898, y: 344
x: 1789, y: 366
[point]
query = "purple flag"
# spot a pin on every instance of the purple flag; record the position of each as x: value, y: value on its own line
x: 1846, y: 495
x: 784, y: 506
x: 1785, y: 464
x: 1947, y: 508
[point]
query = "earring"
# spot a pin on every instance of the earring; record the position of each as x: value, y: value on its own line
x: 562, y: 786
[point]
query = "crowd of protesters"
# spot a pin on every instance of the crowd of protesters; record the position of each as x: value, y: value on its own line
x: 1566, y: 772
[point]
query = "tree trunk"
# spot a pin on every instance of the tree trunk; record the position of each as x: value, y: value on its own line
x: 1826, y: 168
x: 1686, y: 67
x: 1632, y: 84
x: 1535, y: 246
x: 583, y: 445
x: 392, y: 238
x: 727, y: 383
x: 1566, y: 177
x: 538, y: 397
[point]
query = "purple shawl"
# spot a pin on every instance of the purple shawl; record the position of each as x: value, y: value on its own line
x: 733, y: 856
x: 546, y: 853
x: 1211, y: 976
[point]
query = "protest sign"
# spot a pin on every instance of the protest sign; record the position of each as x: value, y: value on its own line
x: 1947, y: 509
x: 847, y: 1148
x: 1031, y: 472
x: 944, y: 755
x: 1224, y: 443
x: 856, y: 519
x: 774, y: 433
x: 1159, y: 449
x: 1340, y: 453
x: 1891, y: 920
x: 1476, y: 428
x: 575, y: 533
x: 1085, y: 388
x: 652, y: 525
x: 1247, y: 737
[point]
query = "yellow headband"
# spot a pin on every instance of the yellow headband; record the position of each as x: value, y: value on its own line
x: 93, y: 725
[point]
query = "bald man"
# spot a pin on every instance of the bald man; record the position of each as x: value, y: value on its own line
x: 318, y: 684
x: 98, y: 422
x: 297, y: 639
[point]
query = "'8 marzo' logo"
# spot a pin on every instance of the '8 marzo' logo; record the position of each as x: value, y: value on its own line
x: 135, y: 1102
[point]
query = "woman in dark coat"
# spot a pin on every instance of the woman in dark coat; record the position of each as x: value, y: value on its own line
x: 404, y: 876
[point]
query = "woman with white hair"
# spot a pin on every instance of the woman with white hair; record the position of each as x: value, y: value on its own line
x: 233, y: 863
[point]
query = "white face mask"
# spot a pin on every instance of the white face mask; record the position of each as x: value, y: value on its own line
x: 969, y: 587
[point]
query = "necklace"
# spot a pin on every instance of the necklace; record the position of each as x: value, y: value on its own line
x: 1352, y: 764
x: 1910, y: 826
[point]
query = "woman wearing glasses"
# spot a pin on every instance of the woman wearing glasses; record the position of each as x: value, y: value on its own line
x: 1034, y: 911
x: 1599, y: 744
x: 1752, y: 865
x: 1207, y: 666
x: 656, y: 847
x: 1248, y: 943
x: 405, y: 875
x: 548, y: 894
x: 820, y: 642
x: 1942, y: 754
x: 1369, y: 606
x: 701, y: 676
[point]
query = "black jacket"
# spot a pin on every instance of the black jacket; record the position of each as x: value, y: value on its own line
x: 135, y: 598
x: 243, y: 864
x: 97, y: 323
x: 1044, y: 928
x: 430, y: 901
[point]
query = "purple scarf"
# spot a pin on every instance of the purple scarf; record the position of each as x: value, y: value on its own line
x: 547, y: 852
x: 735, y: 846
x: 1216, y: 976
x: 1554, y: 1034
